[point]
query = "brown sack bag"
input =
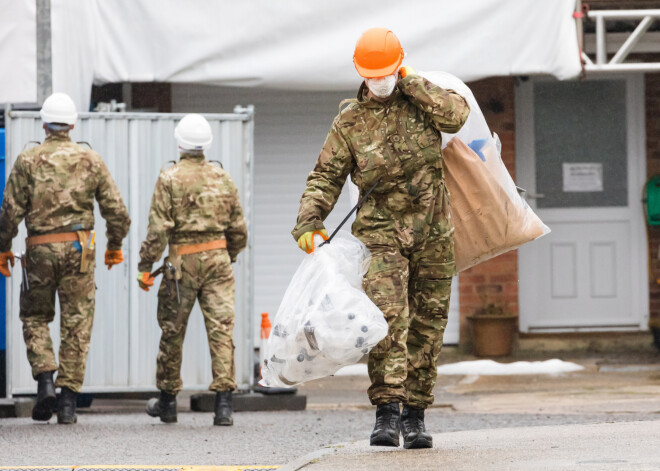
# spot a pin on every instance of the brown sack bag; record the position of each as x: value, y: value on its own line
x: 487, y: 221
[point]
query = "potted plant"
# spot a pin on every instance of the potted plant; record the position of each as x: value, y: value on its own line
x: 493, y: 328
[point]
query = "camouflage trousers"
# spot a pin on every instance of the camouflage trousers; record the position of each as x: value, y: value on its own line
x: 55, y: 268
x: 412, y: 288
x: 209, y: 278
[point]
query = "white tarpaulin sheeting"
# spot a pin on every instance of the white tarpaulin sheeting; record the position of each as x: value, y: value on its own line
x: 18, y: 51
x: 296, y: 44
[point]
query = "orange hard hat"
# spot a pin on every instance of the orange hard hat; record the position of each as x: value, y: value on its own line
x: 378, y: 53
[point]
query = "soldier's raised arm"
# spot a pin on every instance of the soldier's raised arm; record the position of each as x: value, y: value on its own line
x: 14, y: 204
x: 324, y: 183
x: 446, y: 109
x: 236, y: 233
x: 160, y: 225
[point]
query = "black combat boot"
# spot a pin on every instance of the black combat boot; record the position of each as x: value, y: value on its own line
x: 66, y: 406
x: 46, y: 398
x: 386, y: 430
x: 413, y: 429
x: 223, y: 409
x: 163, y: 407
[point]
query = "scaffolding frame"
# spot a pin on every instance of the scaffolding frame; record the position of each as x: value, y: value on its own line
x: 600, y: 64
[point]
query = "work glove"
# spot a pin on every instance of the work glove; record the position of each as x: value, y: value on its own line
x: 113, y: 257
x: 406, y: 70
x: 145, y: 280
x: 306, y: 241
x: 5, y: 259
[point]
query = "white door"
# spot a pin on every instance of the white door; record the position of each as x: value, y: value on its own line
x: 580, y: 154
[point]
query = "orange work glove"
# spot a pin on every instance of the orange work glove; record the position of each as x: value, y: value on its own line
x: 406, y: 70
x: 145, y: 280
x: 113, y: 257
x: 5, y: 259
x: 306, y: 241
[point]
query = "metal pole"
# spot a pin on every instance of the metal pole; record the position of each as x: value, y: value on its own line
x: 623, y: 14
x: 9, y: 345
x: 44, y: 52
x: 579, y: 26
x: 601, y: 52
x: 632, y: 40
x: 626, y: 67
x: 133, y: 258
x: 248, y: 277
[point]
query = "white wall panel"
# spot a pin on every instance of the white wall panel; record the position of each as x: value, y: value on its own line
x: 135, y: 146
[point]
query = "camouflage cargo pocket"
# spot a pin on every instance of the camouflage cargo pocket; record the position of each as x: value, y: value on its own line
x: 386, y: 282
x: 431, y: 297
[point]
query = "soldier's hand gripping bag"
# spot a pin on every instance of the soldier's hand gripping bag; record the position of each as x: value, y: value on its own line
x: 325, y: 320
x: 490, y: 217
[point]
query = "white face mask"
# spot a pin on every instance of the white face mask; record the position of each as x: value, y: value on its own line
x: 381, y: 87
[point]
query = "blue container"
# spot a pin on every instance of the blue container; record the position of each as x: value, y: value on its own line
x: 3, y: 283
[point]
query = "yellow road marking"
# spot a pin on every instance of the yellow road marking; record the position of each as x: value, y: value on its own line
x: 129, y: 467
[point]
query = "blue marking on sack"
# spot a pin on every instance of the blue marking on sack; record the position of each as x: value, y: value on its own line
x: 477, y: 145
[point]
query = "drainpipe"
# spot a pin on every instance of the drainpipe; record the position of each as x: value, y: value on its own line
x: 578, y: 14
x: 44, y: 52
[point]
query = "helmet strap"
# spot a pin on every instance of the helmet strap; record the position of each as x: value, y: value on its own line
x: 191, y: 151
x: 57, y: 127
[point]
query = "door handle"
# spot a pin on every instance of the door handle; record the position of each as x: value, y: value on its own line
x: 525, y: 194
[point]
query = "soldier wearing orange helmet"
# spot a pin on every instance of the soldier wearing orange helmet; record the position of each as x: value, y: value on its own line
x: 389, y: 138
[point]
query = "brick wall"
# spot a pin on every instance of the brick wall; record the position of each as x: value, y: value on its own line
x: 652, y: 85
x: 497, y: 278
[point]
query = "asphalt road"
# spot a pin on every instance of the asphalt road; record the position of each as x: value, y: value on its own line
x: 259, y: 438
x: 114, y: 432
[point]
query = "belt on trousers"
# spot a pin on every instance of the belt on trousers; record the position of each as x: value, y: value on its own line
x: 203, y: 247
x: 53, y: 238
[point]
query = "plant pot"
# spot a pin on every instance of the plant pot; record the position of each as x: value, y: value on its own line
x: 492, y: 336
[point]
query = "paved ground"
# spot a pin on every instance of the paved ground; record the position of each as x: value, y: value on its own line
x: 622, y: 392
x: 596, y: 447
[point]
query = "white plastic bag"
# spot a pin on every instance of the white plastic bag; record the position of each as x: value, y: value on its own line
x: 489, y: 214
x: 325, y: 320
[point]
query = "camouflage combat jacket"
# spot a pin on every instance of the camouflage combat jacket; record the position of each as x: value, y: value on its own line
x: 53, y: 187
x: 194, y: 201
x: 397, y: 142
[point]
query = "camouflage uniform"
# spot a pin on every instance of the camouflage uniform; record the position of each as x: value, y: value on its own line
x: 195, y: 201
x: 53, y: 187
x: 405, y: 223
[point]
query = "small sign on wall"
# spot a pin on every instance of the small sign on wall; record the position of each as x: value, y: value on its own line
x: 582, y: 177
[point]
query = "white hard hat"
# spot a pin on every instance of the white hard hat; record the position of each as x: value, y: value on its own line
x: 193, y: 133
x: 59, y: 108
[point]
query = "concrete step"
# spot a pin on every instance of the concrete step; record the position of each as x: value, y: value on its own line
x: 16, y: 407
x: 586, y: 342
